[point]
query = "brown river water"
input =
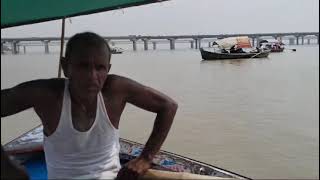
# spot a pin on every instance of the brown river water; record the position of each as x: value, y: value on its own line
x: 256, y: 117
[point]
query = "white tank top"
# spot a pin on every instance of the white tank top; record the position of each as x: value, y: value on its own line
x: 71, y: 154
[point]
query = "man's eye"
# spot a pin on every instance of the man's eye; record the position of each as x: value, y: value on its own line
x: 101, y: 67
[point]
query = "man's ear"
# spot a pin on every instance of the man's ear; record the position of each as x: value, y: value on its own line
x: 64, y: 64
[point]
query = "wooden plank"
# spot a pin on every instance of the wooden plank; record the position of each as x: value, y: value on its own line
x: 157, y: 174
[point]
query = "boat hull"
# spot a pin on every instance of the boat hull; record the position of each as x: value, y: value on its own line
x: 28, y: 150
x: 208, y: 55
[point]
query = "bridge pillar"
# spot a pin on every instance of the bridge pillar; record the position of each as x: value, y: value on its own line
x: 24, y: 49
x: 172, y: 44
x: 253, y: 39
x: 258, y: 41
x: 154, y: 45
x: 308, y: 41
x: 318, y: 39
x: 14, y: 47
x: 18, y: 48
x: 196, y: 43
x: 191, y: 44
x: 134, y: 44
x: 145, y: 42
x: 113, y: 43
x: 302, y: 40
x: 291, y: 41
x: 297, y: 41
x: 46, y: 47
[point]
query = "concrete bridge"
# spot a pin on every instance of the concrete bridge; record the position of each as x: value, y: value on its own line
x: 194, y: 40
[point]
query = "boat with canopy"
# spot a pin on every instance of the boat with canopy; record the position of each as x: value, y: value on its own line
x: 273, y: 45
x: 232, y: 48
x: 28, y: 148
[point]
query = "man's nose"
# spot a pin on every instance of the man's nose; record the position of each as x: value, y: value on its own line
x: 93, y: 74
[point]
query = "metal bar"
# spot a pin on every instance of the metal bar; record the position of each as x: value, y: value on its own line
x: 61, y: 47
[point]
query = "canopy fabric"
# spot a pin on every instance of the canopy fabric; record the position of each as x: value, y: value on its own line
x: 240, y: 42
x: 22, y: 12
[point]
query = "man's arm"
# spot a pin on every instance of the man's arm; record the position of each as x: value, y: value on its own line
x: 21, y: 97
x: 14, y: 100
x: 154, y: 101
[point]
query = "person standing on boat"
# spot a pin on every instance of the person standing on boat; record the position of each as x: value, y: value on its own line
x: 81, y: 113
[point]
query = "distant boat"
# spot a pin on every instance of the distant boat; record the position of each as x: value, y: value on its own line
x: 273, y: 45
x: 116, y: 50
x: 232, y: 48
x: 28, y: 151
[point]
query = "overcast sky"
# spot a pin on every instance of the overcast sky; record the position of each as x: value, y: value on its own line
x: 188, y: 17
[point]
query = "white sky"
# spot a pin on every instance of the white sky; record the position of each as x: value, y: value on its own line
x: 188, y: 17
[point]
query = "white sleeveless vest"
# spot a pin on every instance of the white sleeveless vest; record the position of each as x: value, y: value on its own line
x: 71, y: 154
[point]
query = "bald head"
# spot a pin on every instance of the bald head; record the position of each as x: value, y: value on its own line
x: 87, y: 41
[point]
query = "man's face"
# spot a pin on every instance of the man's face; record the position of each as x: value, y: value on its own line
x: 88, y: 69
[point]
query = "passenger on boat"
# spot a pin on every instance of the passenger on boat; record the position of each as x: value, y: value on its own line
x: 235, y: 49
x: 240, y: 50
x: 224, y: 50
x: 81, y: 114
x: 259, y: 49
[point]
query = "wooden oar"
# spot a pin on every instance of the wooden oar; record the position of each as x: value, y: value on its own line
x: 157, y: 174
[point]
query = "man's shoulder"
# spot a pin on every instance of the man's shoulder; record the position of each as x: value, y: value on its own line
x: 53, y: 83
x: 44, y: 86
x: 115, y: 77
x: 117, y: 83
x: 114, y: 81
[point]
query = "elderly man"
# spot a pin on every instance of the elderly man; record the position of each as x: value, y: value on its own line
x: 81, y: 114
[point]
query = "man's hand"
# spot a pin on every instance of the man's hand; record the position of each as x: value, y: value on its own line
x: 134, y: 169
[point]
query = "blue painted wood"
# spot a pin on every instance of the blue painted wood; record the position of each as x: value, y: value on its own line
x: 36, y: 168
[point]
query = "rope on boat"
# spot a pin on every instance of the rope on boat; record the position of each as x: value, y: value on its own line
x: 256, y: 55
